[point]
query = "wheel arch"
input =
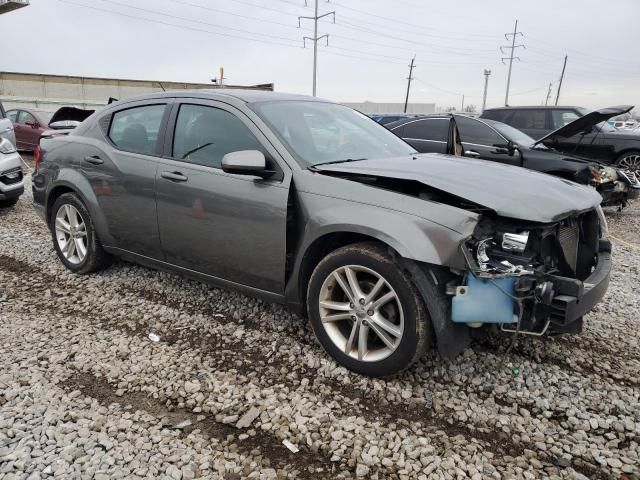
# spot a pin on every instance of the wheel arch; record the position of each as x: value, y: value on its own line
x: 77, y: 184
x: 624, y: 152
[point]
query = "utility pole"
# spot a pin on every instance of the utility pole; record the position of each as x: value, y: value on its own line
x: 564, y: 66
x: 511, y: 57
x: 462, y: 108
x: 411, y: 67
x: 546, y: 102
x: 486, y: 84
x: 315, y: 37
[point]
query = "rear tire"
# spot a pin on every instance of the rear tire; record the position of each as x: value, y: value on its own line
x: 74, y: 237
x: 10, y: 202
x: 377, y: 328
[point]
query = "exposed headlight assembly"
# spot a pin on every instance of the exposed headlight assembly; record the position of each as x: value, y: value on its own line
x: 6, y: 146
x: 515, y: 242
x: 608, y: 174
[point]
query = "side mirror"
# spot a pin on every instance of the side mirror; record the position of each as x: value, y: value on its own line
x: 31, y: 123
x: 246, y: 162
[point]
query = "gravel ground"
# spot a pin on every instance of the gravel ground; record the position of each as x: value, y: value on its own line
x: 84, y: 392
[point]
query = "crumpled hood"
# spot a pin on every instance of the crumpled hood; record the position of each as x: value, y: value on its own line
x: 510, y: 191
x: 586, y: 122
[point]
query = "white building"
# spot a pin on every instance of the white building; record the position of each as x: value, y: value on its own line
x: 50, y: 92
x: 371, y: 108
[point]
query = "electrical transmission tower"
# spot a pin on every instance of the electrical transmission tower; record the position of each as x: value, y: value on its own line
x: 511, y: 57
x: 315, y: 37
x: 411, y: 67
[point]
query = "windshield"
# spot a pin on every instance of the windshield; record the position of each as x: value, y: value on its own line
x: 317, y: 132
x: 513, y: 134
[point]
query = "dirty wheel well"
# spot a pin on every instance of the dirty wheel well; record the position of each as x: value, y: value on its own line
x: 54, y: 195
x: 321, y: 248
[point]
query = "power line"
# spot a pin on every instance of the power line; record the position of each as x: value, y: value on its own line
x: 419, y: 27
x: 209, y: 32
x: 511, y: 57
x: 176, y: 17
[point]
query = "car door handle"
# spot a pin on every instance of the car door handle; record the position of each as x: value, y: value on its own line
x: 174, y: 176
x: 94, y: 159
x: 471, y: 153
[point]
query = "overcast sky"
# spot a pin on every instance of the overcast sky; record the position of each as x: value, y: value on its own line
x: 370, y: 46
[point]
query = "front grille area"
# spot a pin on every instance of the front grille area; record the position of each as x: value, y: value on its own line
x: 568, y: 239
x: 11, y: 176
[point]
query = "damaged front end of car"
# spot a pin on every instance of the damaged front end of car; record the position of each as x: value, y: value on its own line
x: 535, y: 279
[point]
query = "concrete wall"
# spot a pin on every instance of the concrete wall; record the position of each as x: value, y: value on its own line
x: 50, y: 92
x: 373, y: 107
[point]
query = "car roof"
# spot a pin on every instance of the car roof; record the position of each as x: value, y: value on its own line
x: 242, y: 95
x: 532, y: 107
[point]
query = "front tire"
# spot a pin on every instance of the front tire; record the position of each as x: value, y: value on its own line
x: 630, y: 161
x: 366, y: 312
x: 74, y: 237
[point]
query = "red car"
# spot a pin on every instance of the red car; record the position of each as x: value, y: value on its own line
x: 29, y: 125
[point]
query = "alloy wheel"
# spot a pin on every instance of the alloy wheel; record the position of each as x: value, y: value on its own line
x: 361, y: 313
x: 631, y: 162
x: 71, y: 234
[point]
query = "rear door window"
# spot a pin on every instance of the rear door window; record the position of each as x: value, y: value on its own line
x: 204, y: 135
x: 428, y: 129
x: 136, y: 129
x: 528, y: 119
x: 474, y: 131
x: 560, y: 118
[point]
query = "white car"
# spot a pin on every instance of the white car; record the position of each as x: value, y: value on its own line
x: 6, y: 127
x: 11, y: 175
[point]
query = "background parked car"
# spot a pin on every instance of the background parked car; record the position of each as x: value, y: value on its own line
x: 65, y: 120
x: 6, y: 127
x: 490, y: 140
x: 31, y: 124
x: 577, y: 131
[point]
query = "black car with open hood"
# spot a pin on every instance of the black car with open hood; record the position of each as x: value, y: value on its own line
x: 576, y: 131
x: 464, y: 136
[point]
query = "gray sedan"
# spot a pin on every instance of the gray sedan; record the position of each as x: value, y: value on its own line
x: 302, y: 201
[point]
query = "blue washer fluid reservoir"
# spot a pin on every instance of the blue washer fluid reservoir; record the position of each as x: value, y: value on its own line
x: 481, y: 301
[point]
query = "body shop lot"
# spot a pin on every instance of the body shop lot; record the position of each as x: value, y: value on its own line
x: 83, y: 391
